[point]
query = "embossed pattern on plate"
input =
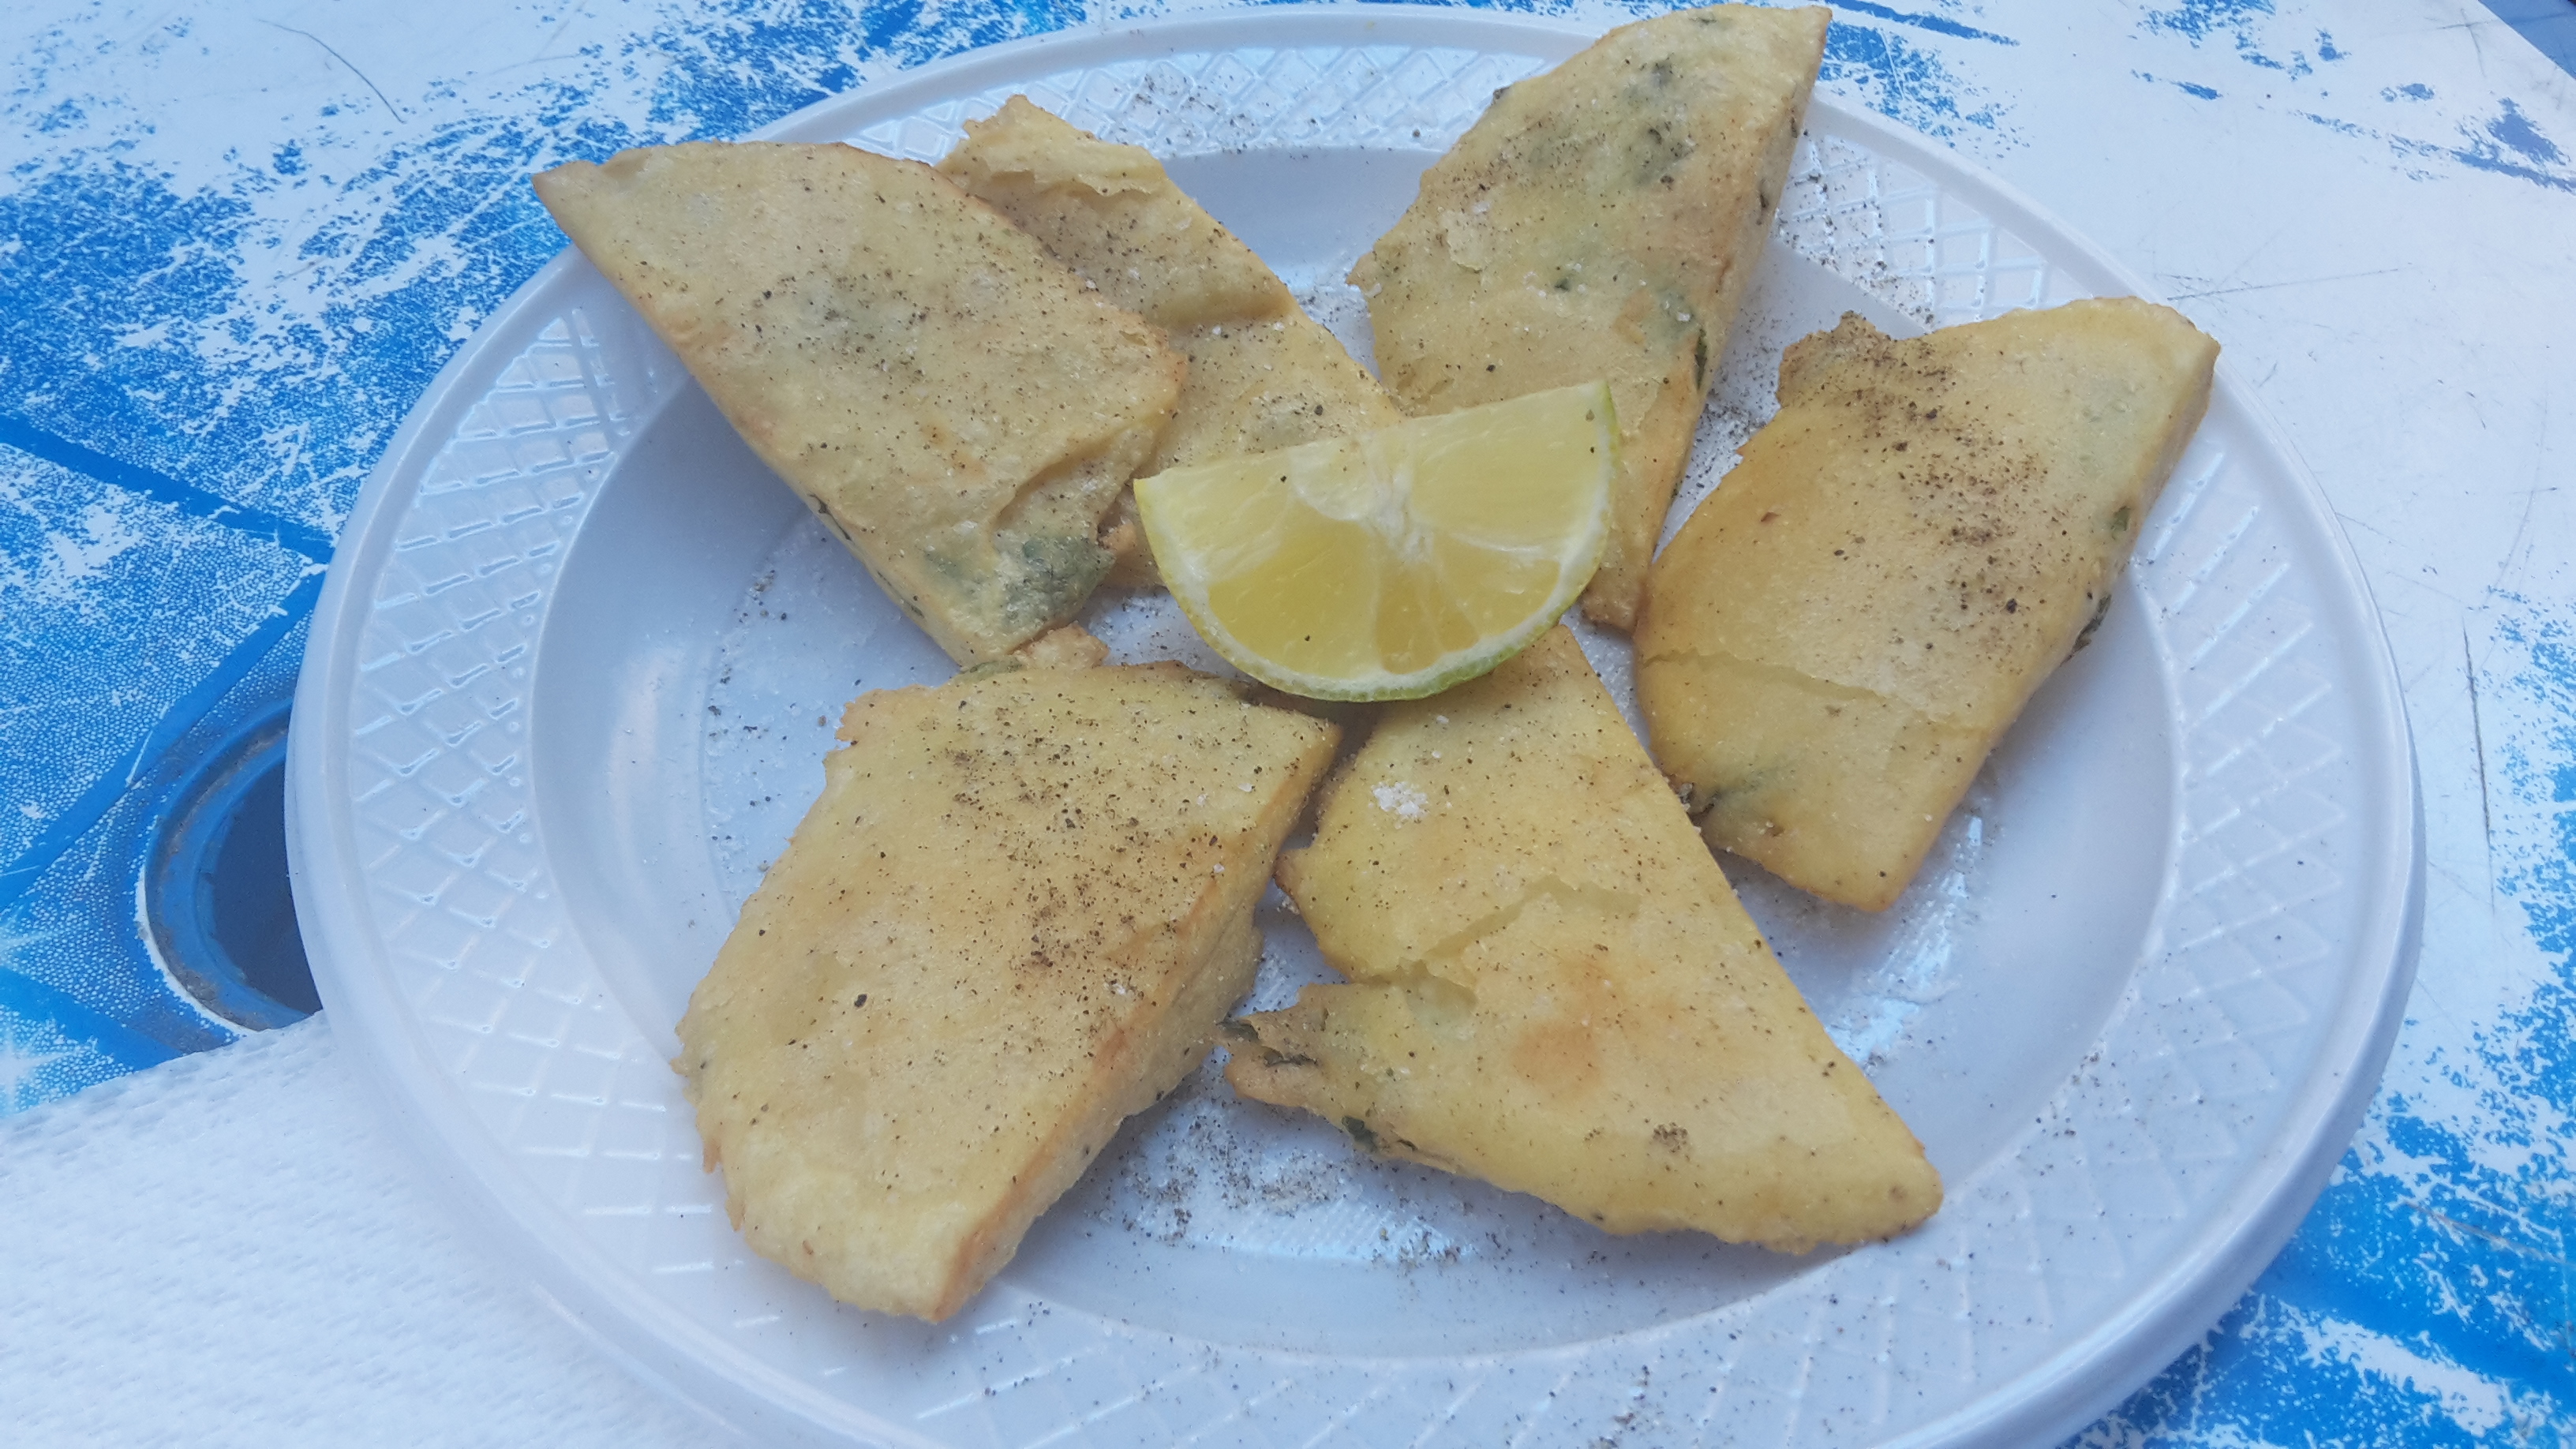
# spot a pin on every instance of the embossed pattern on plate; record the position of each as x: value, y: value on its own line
x: 450, y: 941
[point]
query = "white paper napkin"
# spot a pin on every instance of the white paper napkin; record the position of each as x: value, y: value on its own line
x: 229, y: 1249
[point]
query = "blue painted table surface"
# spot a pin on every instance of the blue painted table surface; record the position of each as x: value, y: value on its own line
x: 237, y: 241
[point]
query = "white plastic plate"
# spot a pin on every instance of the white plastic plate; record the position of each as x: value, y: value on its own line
x: 572, y: 679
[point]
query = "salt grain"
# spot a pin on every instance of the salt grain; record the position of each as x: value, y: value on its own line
x: 1403, y: 801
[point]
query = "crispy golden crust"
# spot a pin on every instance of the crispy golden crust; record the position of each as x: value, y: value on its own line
x: 952, y: 402
x: 1263, y: 375
x: 1013, y: 917
x: 1554, y: 989
x: 1840, y: 634
x: 1601, y: 222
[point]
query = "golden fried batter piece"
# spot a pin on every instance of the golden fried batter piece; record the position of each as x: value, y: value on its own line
x: 1554, y: 989
x: 1263, y: 375
x: 1013, y: 918
x: 1844, y: 629
x: 1602, y: 221
x: 957, y: 407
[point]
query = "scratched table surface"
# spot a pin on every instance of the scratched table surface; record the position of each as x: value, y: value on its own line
x: 238, y: 240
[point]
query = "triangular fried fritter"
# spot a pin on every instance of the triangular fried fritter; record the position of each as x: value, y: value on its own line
x: 1013, y: 918
x: 1601, y: 222
x: 1554, y: 989
x: 1840, y: 635
x: 1263, y: 375
x: 955, y: 404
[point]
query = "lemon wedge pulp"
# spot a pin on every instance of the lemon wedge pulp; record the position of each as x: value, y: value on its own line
x: 1396, y: 563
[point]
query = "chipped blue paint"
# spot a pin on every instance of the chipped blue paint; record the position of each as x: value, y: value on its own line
x: 2189, y: 88
x: 2512, y: 131
x: 2196, y: 20
x: 74, y: 819
x: 2541, y: 772
x: 188, y: 499
x: 52, y: 1046
x: 2453, y: 1216
x: 1933, y: 23
x: 742, y: 65
x: 2494, y: 145
x: 2411, y: 1232
x: 114, y: 610
x: 408, y: 253
x: 72, y: 929
x: 2506, y: 145
x: 1901, y: 80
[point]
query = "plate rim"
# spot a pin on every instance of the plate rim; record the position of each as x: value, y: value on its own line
x: 2168, y: 1310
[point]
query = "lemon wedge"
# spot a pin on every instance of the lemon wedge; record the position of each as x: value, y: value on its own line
x: 1396, y: 563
